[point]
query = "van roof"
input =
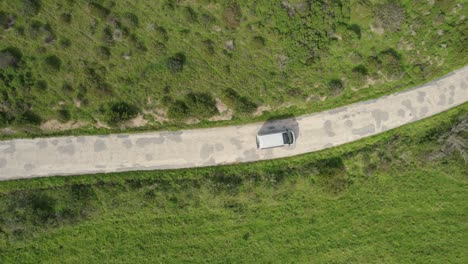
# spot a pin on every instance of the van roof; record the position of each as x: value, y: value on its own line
x: 271, y: 140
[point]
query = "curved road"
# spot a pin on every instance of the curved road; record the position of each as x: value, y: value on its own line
x: 27, y: 158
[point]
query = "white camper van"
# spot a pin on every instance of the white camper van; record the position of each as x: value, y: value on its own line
x: 276, y: 139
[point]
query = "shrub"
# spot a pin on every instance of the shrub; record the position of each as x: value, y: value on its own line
x: 201, y: 105
x: 207, y: 19
x: 4, y: 118
x: 108, y: 35
x: 121, y: 111
x: 359, y: 75
x: 64, y: 115
x: 335, y: 87
x: 445, y: 5
x: 391, y: 16
x: 295, y: 92
x: 178, y: 110
x: 82, y: 92
x: 170, y: 4
x: 3, y: 19
x: 65, y: 42
x: 190, y: 15
x: 208, y: 45
x: 241, y: 104
x: 53, y: 63
x: 373, y: 64
x: 138, y: 43
x: 35, y: 28
x: 82, y: 192
x: 67, y: 87
x: 66, y: 18
x: 6, y: 20
x: 41, y: 85
x: 130, y: 19
x: 166, y: 100
x: 104, y: 53
x: 258, y: 41
x: 10, y: 57
x: 391, y: 64
x: 30, y: 7
x: 161, y: 33
x: 98, y: 10
x: 31, y: 118
x: 232, y: 14
x: 43, y: 207
x: 176, y: 63
x: 356, y: 29
x: 50, y: 39
x: 361, y: 69
x: 245, y: 106
x: 333, y: 175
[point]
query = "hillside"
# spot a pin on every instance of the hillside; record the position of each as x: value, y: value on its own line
x: 157, y: 64
x: 398, y: 197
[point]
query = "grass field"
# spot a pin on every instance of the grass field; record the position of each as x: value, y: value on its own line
x: 398, y: 197
x: 106, y: 66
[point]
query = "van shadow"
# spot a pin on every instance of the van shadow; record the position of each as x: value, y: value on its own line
x: 279, y: 124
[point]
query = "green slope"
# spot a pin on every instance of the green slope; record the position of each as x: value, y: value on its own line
x: 101, y: 62
x: 398, y: 197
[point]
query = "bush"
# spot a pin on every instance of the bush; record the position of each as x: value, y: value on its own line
x: 166, y: 100
x: 64, y: 115
x: 130, y: 20
x: 355, y: 29
x: 30, y: 7
x: 391, y: 64
x: 335, y: 87
x: 178, y: 110
x: 10, y: 57
x: 333, y: 175
x: 207, y: 20
x: 53, y: 63
x: 65, y: 42
x: 208, y: 45
x: 138, y: 43
x: 104, y: 52
x: 359, y: 75
x: 66, y: 18
x: 41, y: 85
x: 67, y: 87
x: 35, y: 28
x: 121, y: 111
x: 108, y: 35
x: 373, y: 65
x: 98, y: 10
x: 391, y: 16
x: 245, y: 106
x: 190, y: 15
x: 6, y: 20
x: 161, y: 33
x: 31, y: 118
x: 5, y: 118
x: 201, y: 105
x: 43, y: 207
x: 3, y: 19
x: 176, y: 63
x: 241, y: 104
x: 258, y: 42
x: 295, y: 92
x: 232, y: 14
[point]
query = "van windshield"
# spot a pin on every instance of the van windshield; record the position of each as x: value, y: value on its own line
x: 285, y: 138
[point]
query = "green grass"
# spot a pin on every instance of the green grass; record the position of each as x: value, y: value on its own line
x: 397, y: 197
x: 151, y: 54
